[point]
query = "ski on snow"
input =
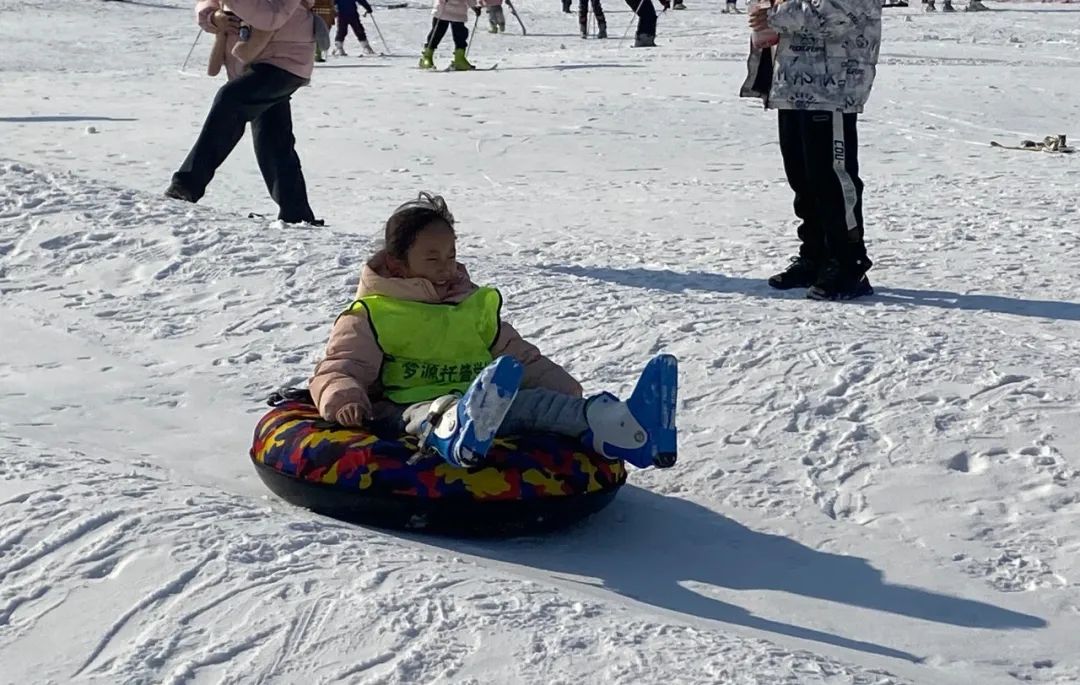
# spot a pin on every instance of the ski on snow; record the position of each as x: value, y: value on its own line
x: 444, y: 70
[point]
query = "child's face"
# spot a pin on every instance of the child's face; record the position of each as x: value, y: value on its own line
x: 434, y: 255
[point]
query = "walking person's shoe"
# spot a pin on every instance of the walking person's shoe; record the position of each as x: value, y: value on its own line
x: 802, y: 272
x: 175, y: 191
x: 838, y: 281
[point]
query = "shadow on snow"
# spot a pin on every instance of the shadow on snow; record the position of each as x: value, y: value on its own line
x: 58, y: 118
x: 662, y: 543
x: 677, y: 282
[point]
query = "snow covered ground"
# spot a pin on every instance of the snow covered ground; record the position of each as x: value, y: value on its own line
x: 881, y: 492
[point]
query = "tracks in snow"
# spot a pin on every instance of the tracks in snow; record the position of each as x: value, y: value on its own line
x: 771, y: 422
x: 188, y: 584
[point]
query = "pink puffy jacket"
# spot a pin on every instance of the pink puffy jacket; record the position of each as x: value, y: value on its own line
x: 350, y: 371
x: 292, y: 46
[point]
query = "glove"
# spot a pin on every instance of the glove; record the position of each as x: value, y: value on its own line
x: 477, y: 10
x: 666, y: 4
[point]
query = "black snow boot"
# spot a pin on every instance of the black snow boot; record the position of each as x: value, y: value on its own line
x: 175, y: 191
x: 837, y: 281
x: 801, y: 273
x: 601, y: 30
x: 643, y: 40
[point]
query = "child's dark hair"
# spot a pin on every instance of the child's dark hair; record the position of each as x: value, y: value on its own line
x: 412, y: 217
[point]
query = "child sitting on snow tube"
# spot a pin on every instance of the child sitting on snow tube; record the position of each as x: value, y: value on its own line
x: 423, y: 351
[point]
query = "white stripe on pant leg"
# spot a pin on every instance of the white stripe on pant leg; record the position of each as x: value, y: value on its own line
x: 847, y: 186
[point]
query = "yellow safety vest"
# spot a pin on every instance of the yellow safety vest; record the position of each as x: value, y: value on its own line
x: 430, y: 350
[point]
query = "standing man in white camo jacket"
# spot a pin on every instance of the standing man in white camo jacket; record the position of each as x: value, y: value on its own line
x: 819, y: 79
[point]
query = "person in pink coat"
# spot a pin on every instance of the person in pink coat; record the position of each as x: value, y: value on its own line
x: 449, y: 14
x: 258, y: 92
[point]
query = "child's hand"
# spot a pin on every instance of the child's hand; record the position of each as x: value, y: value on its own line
x: 759, y: 18
x: 353, y: 415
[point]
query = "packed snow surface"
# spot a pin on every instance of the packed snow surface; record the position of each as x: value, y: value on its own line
x: 876, y: 492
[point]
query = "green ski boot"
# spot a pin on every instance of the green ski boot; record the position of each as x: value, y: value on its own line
x: 427, y: 58
x: 460, y: 63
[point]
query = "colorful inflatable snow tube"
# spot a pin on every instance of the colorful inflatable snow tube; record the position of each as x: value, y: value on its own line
x: 529, y: 484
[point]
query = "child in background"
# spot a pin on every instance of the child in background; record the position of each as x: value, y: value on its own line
x: 449, y: 14
x: 349, y: 16
x: 324, y: 9
x: 424, y: 351
x: 646, y: 25
x: 496, y: 16
x: 583, y: 18
x: 815, y: 63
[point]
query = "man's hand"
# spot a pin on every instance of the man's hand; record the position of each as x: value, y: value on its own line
x: 217, y: 21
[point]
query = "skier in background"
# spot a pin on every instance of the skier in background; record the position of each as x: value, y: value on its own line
x: 583, y: 18
x: 496, y: 16
x: 646, y: 28
x: 947, y: 6
x: 348, y: 16
x: 449, y: 14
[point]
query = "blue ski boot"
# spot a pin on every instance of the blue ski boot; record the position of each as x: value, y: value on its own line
x: 461, y: 429
x: 640, y: 430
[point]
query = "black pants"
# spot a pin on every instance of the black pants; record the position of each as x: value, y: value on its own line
x: 821, y: 161
x: 438, y: 30
x: 347, y: 20
x: 646, y: 24
x: 583, y: 13
x: 261, y: 96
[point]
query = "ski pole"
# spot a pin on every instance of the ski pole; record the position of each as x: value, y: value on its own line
x: 517, y: 16
x: 376, y: 25
x: 475, y: 23
x: 197, y: 37
x: 632, y: 20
